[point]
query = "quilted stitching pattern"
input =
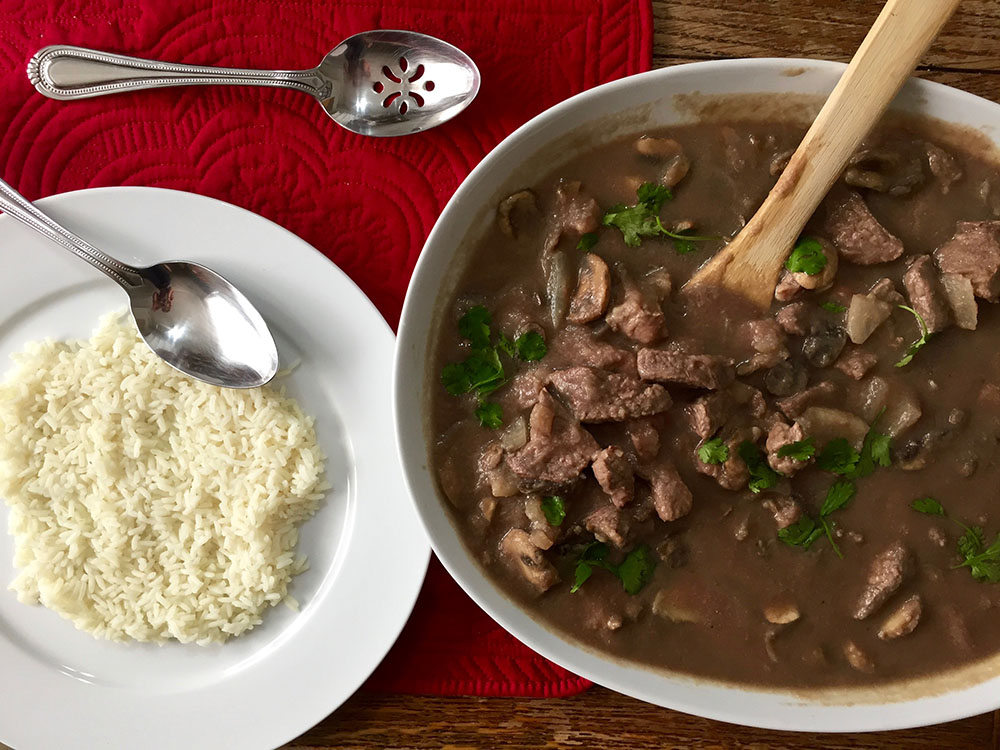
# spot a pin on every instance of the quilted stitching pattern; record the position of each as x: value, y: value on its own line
x: 366, y: 203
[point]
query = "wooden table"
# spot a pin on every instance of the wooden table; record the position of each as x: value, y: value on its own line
x: 967, y: 56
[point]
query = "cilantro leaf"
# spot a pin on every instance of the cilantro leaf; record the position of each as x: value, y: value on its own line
x: 983, y: 563
x: 505, y: 345
x: 587, y: 241
x: 713, y: 451
x: 484, y: 371
x: 643, y: 220
x: 833, y: 307
x: 802, y: 533
x: 928, y: 506
x: 636, y: 569
x: 837, y: 497
x: 580, y: 576
x: 489, y: 414
x: 653, y: 196
x: 828, y: 530
x: 531, y: 346
x: 455, y: 379
x: 917, y: 345
x: 762, y: 476
x: 554, y: 508
x: 475, y: 326
x: 800, y: 450
x: 874, y: 451
x: 807, y: 257
x: 838, y: 457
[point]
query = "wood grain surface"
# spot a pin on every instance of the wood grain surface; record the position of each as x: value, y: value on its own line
x: 966, y: 55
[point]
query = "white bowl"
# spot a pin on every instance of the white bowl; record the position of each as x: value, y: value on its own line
x: 654, y: 99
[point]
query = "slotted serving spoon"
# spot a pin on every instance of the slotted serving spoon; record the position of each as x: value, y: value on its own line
x: 751, y: 263
x: 380, y: 83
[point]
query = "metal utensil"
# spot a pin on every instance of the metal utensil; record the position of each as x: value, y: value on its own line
x: 377, y: 83
x: 190, y: 316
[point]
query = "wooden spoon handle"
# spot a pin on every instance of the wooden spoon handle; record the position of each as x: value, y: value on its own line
x: 903, y: 31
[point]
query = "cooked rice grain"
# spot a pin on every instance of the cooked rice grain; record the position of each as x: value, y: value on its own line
x: 146, y: 505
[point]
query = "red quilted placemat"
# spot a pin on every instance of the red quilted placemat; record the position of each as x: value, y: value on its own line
x: 366, y: 203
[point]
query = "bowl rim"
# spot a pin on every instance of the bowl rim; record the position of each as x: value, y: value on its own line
x: 764, y: 707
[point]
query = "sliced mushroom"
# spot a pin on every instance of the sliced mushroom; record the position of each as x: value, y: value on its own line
x: 781, y: 613
x: 823, y: 279
x: 523, y: 201
x: 593, y: 284
x: 822, y: 349
x: 528, y: 560
x: 786, y: 378
x: 857, y: 658
x: 903, y: 619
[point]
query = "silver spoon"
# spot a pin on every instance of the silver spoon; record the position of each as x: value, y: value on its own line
x: 187, y: 314
x: 376, y: 83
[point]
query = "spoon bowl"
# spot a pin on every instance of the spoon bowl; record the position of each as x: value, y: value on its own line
x: 202, y: 325
x: 377, y: 83
x: 188, y: 315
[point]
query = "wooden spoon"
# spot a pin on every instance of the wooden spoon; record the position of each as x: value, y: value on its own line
x: 751, y: 263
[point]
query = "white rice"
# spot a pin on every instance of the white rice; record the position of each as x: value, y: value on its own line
x: 146, y: 505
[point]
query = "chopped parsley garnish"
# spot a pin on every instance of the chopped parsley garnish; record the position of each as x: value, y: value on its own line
x: 838, y: 496
x: 475, y: 326
x: 482, y: 371
x: 634, y: 571
x: 587, y: 241
x: 802, y: 533
x: 928, y: 506
x: 874, y: 451
x: 838, y: 457
x: 554, y: 508
x: 530, y: 346
x: 490, y: 414
x: 834, y: 307
x: 807, y: 530
x: 983, y: 562
x: 713, y: 451
x: 643, y: 219
x: 917, y: 345
x: 807, y: 257
x: 800, y: 450
x: 762, y: 476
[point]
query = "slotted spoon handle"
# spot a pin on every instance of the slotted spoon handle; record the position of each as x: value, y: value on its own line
x: 751, y: 263
x: 67, y: 73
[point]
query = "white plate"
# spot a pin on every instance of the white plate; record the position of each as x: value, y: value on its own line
x: 367, y: 552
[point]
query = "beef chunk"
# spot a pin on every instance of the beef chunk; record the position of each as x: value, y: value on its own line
x: 525, y: 386
x: 645, y: 438
x: 796, y: 319
x: 974, y: 252
x: 926, y: 294
x: 595, y: 395
x: 558, y: 449
x: 592, y: 290
x: 888, y: 570
x: 779, y: 436
x: 495, y: 472
x: 708, y: 414
x: 673, y: 366
x: 521, y: 554
x: 884, y: 289
x: 943, y: 166
x: 903, y: 619
x: 637, y: 316
x: 614, y: 473
x: 732, y: 474
x: 822, y: 393
x: 575, y: 213
x: 856, y: 233
x: 855, y: 363
x: 671, y: 497
x: 787, y: 287
x: 576, y: 345
x: 786, y: 510
x: 608, y: 524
